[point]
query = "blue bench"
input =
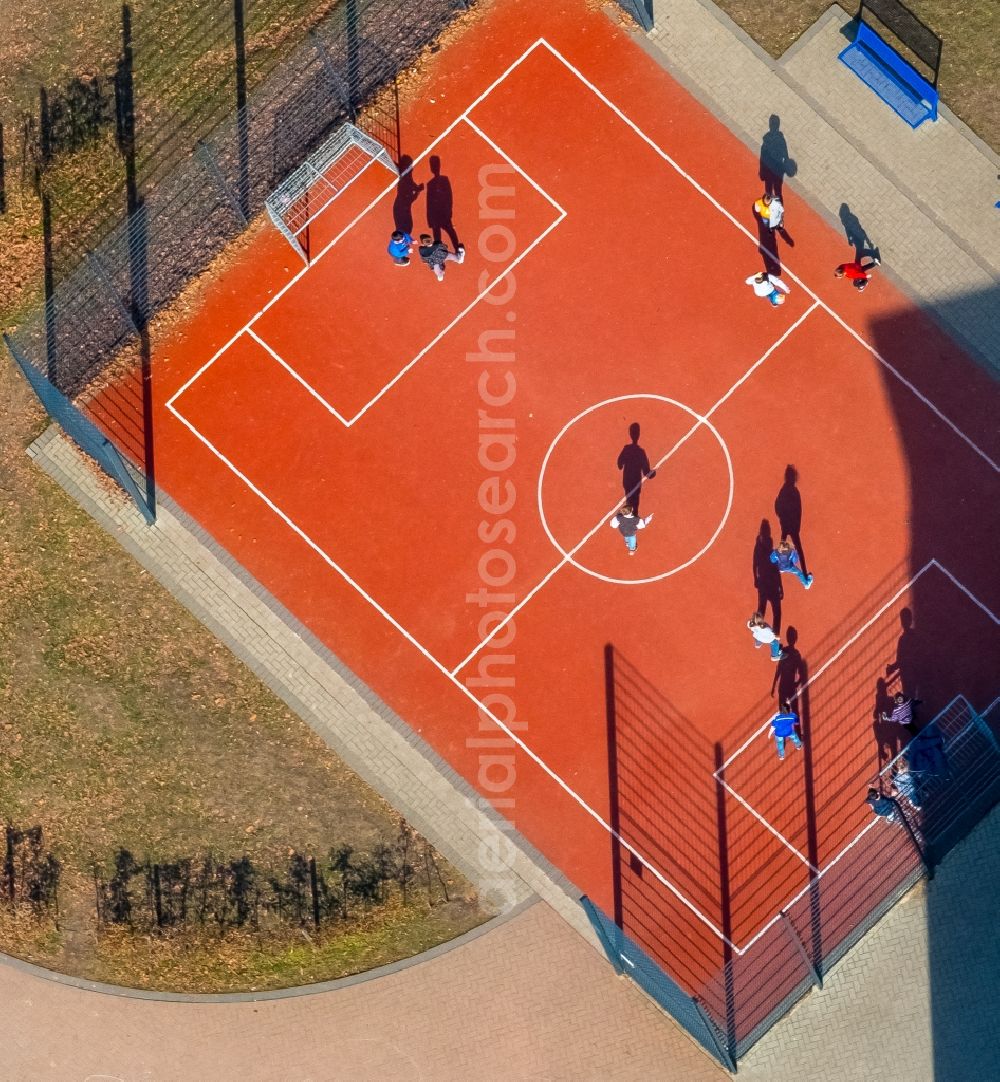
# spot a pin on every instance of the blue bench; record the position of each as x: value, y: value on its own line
x: 895, y: 81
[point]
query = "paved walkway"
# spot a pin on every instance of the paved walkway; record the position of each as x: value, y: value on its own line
x: 532, y: 999
x: 925, y: 196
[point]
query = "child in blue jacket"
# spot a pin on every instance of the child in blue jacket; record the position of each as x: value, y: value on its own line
x: 787, y: 560
x: 400, y: 246
x: 785, y: 725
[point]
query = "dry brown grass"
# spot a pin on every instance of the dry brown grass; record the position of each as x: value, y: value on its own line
x: 124, y: 723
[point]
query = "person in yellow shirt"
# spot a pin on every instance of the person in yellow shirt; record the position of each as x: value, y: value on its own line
x: 770, y: 210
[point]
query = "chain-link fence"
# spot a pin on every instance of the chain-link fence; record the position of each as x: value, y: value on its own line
x: 728, y: 990
x: 188, y: 191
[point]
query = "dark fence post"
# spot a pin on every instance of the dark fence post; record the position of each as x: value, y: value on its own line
x: 614, y: 813
x: 8, y: 866
x: 98, y: 902
x: 51, y: 347
x: 722, y: 827
x: 614, y: 956
x: 353, y: 23
x: 641, y: 11
x: 725, y: 1055
x: 84, y: 433
x: 242, y: 115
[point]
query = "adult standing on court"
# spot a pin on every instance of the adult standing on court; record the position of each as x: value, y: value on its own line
x: 788, y: 508
x: 634, y: 464
x: 902, y: 712
x: 771, y: 211
x: 436, y: 253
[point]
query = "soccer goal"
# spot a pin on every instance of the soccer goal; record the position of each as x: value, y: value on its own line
x: 318, y: 181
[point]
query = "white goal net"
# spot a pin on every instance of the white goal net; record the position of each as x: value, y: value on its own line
x: 322, y: 177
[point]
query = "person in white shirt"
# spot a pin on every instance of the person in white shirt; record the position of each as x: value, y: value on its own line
x: 763, y: 635
x: 770, y: 286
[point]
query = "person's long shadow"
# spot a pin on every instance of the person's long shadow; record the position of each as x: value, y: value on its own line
x: 766, y: 576
x: 790, y: 672
x: 916, y: 667
x: 407, y: 193
x: 888, y: 735
x: 440, y: 204
x: 788, y: 508
x: 767, y: 245
x: 908, y: 650
x: 634, y: 464
x: 775, y: 164
x: 857, y: 235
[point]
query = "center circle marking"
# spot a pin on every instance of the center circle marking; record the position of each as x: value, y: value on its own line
x: 568, y: 556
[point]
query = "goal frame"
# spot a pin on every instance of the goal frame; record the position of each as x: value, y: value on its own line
x: 285, y: 204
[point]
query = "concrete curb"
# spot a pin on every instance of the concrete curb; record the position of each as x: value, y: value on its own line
x: 320, y: 988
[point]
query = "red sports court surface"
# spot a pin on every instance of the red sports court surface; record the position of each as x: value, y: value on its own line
x: 423, y: 472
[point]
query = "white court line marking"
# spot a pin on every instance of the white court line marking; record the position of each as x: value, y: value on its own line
x: 814, y: 879
x: 852, y: 844
x: 826, y: 665
x: 357, y: 587
x: 514, y: 738
x: 743, y: 229
x: 568, y: 558
x: 972, y: 597
x: 357, y: 218
x: 765, y: 823
x: 454, y: 322
x: 499, y: 278
x: 291, y: 371
x: 968, y: 593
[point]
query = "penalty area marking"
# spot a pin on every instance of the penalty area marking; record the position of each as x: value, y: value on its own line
x: 699, y: 422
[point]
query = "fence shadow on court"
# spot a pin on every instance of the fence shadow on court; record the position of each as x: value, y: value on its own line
x: 667, y: 807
